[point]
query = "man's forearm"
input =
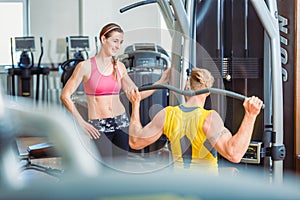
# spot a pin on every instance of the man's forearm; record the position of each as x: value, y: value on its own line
x: 135, y: 114
x: 240, y: 141
x: 135, y: 126
x: 135, y: 122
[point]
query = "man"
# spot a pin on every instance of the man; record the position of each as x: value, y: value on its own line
x: 195, y: 134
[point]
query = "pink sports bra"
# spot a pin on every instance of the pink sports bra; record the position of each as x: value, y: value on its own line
x: 99, y: 84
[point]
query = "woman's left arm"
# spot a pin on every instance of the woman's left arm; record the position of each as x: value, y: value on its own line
x: 164, y: 79
x: 129, y: 86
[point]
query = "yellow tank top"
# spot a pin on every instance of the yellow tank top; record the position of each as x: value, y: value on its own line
x: 189, y: 145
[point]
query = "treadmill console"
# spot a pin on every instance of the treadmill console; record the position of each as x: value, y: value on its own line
x: 24, y: 44
x: 79, y: 43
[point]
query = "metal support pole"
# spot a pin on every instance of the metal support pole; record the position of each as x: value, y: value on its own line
x: 81, y: 16
x: 176, y: 66
x: 269, y: 21
x: 183, y: 22
x: 167, y: 13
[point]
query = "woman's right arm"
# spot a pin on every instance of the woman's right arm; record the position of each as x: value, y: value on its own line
x: 80, y: 72
x: 70, y: 87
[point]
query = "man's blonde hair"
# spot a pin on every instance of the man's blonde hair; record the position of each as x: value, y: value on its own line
x: 201, y: 78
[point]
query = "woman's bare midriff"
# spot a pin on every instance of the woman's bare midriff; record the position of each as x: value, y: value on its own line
x: 104, y: 106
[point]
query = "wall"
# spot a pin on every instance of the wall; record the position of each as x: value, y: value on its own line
x: 54, y: 20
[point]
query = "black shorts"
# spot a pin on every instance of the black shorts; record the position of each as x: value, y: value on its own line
x: 108, y: 125
x: 114, y: 139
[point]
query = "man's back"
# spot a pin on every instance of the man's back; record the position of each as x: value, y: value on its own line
x: 189, y: 145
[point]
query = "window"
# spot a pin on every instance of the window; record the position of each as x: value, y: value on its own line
x: 13, y: 20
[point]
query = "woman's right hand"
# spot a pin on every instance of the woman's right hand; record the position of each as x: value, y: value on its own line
x: 90, y: 130
x: 135, y: 97
x: 133, y: 94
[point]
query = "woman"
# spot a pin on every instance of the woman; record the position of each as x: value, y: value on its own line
x: 103, y: 77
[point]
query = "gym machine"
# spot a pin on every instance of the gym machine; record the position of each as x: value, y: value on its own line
x: 25, y: 70
x: 145, y: 63
x: 249, y: 63
x: 188, y: 18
